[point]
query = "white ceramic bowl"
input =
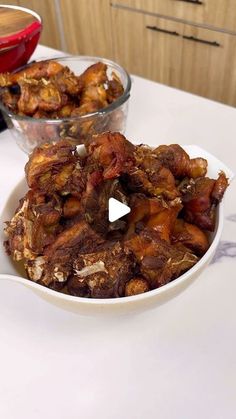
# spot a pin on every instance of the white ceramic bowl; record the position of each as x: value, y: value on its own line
x: 9, y: 270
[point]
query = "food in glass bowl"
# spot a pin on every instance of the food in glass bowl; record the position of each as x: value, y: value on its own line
x: 70, y: 97
x: 61, y: 229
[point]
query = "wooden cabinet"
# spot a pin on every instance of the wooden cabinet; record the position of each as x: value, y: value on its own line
x: 215, y: 13
x: 148, y: 46
x: 188, y: 57
x: 87, y: 27
x: 188, y: 44
x: 208, y: 64
x: 51, y: 35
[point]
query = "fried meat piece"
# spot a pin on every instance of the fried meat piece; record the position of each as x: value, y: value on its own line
x: 79, y: 237
x: 148, y: 175
x: 136, y: 285
x: 220, y: 186
x: 34, y: 225
x: 39, y: 95
x: 67, y: 82
x: 154, y: 213
x: 200, y: 197
x: 190, y: 236
x: 71, y: 207
x: 38, y: 70
x: 93, y: 86
x: 10, y: 99
x: 94, y: 201
x: 55, y: 168
x: 95, y: 95
x: 142, y: 208
x: 94, y: 75
x: 164, y: 222
x: 18, y: 232
x: 56, y: 263
x: 159, y: 261
x: 104, y: 273
x: 175, y: 158
x: 114, y: 88
x: 113, y: 152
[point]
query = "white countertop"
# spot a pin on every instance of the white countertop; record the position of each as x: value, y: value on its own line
x: 174, y: 362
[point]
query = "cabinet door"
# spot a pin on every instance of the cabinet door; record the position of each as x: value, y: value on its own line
x: 194, y: 59
x: 217, y: 13
x: 87, y: 27
x: 148, y: 46
x: 50, y: 35
x: 209, y: 64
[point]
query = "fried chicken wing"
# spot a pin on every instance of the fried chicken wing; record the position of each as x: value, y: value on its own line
x: 164, y: 222
x: 10, y: 99
x: 159, y: 261
x: 112, y: 152
x: 39, y: 96
x: 38, y: 70
x: 142, y: 208
x: 95, y: 94
x: 94, y: 75
x: 149, y: 176
x: 67, y: 82
x: 179, y: 163
x: 114, y: 88
x: 55, y: 265
x: 154, y: 213
x: 190, y: 236
x: 200, y: 198
x: 220, y: 187
x: 55, y: 168
x: 34, y: 225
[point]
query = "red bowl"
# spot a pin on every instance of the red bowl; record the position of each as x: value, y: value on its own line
x: 15, y: 50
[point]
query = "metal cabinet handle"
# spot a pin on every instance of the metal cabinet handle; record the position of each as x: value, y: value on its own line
x: 192, y: 1
x: 203, y: 41
x: 155, y: 28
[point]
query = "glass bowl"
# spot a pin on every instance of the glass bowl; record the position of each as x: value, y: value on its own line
x: 31, y: 132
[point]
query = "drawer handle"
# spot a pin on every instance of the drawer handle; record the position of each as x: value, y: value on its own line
x: 155, y: 28
x: 192, y: 1
x: 203, y: 41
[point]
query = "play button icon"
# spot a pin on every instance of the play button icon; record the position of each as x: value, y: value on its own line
x: 116, y: 209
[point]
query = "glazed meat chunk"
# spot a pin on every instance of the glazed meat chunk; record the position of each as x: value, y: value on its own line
x: 200, y: 197
x: 103, y: 273
x: 55, y: 168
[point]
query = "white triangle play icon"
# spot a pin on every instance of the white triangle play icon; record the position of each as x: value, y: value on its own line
x: 116, y: 209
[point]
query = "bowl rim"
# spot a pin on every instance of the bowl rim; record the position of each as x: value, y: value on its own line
x: 101, y: 112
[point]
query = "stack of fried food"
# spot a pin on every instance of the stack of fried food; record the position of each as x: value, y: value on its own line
x: 61, y: 229
x: 47, y: 89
